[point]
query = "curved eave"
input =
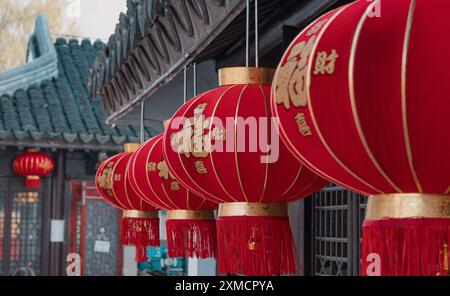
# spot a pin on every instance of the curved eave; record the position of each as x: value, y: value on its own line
x: 43, y: 67
x: 63, y: 145
x: 158, y: 42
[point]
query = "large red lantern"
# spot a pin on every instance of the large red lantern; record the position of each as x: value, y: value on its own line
x: 222, y: 145
x: 191, y: 229
x: 33, y: 165
x: 140, y: 221
x: 362, y: 99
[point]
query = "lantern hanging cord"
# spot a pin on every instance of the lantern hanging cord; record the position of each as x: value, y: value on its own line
x: 256, y: 34
x: 142, y: 136
x: 194, y: 65
x: 185, y: 85
x: 247, y: 36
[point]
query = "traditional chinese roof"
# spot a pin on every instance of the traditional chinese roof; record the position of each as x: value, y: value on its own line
x: 155, y: 39
x: 54, y: 110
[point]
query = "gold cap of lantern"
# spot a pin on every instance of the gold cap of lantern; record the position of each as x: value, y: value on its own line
x: 246, y: 75
x: 131, y: 147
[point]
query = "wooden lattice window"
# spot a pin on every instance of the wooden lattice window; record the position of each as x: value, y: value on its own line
x: 22, y: 229
x: 337, y: 215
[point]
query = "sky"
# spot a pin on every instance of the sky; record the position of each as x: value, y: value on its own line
x: 96, y: 18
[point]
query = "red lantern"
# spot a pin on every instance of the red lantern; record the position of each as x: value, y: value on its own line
x: 33, y: 165
x: 140, y: 222
x: 363, y: 101
x: 212, y: 151
x: 191, y: 229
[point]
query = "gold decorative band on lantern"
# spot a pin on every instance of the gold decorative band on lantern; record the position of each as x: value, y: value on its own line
x: 246, y: 75
x: 190, y: 215
x: 131, y: 147
x: 407, y: 205
x: 32, y: 177
x: 140, y: 214
x: 253, y: 209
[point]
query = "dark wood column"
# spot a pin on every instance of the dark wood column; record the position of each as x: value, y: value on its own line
x: 56, y: 259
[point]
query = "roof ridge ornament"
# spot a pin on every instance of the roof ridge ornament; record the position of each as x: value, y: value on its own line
x: 43, y: 64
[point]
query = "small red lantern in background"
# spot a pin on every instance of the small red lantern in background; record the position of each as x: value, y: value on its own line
x: 33, y: 165
x: 364, y: 101
x: 252, y: 185
x: 191, y: 228
x: 140, y: 221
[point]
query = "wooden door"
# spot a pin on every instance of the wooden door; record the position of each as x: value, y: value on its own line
x: 94, y: 231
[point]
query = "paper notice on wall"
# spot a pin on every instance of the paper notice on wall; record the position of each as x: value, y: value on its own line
x: 57, y: 231
x: 101, y: 246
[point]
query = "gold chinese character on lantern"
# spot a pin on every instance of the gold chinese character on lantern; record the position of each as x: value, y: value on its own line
x: 174, y: 186
x: 200, y: 167
x: 325, y: 63
x: 101, y: 180
x: 192, y: 140
x: 164, y: 170
x: 303, y: 126
x: 219, y: 134
x: 105, y: 181
x: 45, y: 165
x: 151, y: 166
x: 291, y: 82
x: 200, y: 108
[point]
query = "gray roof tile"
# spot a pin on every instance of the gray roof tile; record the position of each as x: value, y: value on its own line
x: 61, y: 108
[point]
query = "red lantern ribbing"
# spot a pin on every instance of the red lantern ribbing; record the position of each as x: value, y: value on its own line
x: 362, y: 100
x: 191, y: 229
x: 140, y: 221
x: 33, y: 165
x: 222, y: 145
